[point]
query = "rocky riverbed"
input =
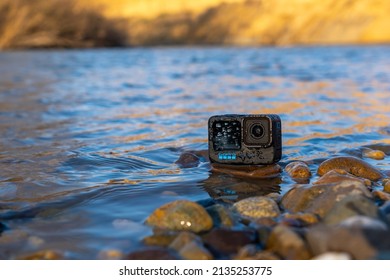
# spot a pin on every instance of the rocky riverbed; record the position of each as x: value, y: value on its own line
x: 343, y: 214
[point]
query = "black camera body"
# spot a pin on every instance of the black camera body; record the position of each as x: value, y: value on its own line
x: 245, y: 139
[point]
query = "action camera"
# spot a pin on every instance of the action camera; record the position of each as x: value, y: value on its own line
x: 245, y: 139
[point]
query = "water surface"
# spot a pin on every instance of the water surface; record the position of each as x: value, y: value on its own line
x: 89, y: 137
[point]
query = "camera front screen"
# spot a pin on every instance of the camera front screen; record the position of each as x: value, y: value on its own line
x: 227, y: 135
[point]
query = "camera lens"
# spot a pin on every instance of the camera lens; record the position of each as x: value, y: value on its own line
x: 257, y: 130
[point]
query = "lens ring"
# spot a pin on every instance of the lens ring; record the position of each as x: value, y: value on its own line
x: 257, y: 130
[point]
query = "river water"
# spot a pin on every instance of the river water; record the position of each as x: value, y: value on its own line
x: 89, y: 137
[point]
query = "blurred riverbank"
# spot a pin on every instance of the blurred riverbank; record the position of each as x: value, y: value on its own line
x: 68, y: 23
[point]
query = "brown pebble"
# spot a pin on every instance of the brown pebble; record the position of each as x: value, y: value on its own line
x: 319, y: 199
x: 381, y: 195
x: 386, y: 186
x: 288, y: 244
x: 353, y: 165
x: 187, y: 160
x: 373, y: 154
x: 257, y: 207
x: 298, y: 171
x: 45, y: 255
x: 252, y: 252
x: 181, y: 215
x: 338, y: 175
x: 228, y: 241
x: 162, y: 239
x: 305, y: 218
x: 251, y: 171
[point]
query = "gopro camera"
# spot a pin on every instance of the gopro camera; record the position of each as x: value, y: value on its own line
x: 245, y: 139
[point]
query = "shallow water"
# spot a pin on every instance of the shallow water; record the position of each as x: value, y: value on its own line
x: 89, y: 138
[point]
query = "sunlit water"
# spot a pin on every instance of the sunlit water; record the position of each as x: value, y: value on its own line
x: 89, y: 138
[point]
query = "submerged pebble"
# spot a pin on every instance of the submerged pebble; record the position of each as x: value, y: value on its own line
x: 253, y: 252
x: 257, y: 207
x: 160, y: 239
x: 111, y: 254
x: 181, y: 215
x: 249, y: 171
x: 353, y: 165
x: 187, y: 160
x: 298, y: 171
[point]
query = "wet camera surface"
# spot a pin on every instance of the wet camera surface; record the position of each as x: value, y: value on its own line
x: 245, y: 139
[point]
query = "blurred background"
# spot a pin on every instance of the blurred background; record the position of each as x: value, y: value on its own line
x: 80, y: 23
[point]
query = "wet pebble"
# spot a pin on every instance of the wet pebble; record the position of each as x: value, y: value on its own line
x: 257, y: 207
x: 153, y: 254
x: 181, y: 215
x: 353, y: 165
x: 384, y: 196
x: 386, y: 186
x: 288, y: 244
x: 187, y: 160
x: 160, y: 239
x: 190, y: 247
x: 111, y: 254
x: 249, y: 171
x: 373, y: 154
x: 45, y: 255
x: 305, y: 218
x: 221, y: 216
x: 298, y: 171
x: 350, y: 206
x: 253, y: 252
x: 320, y: 199
x: 337, y: 175
x: 227, y: 241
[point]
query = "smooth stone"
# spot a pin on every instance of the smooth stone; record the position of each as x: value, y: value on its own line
x: 363, y: 222
x: 110, y: 255
x: 257, y: 207
x: 253, y: 252
x: 350, y: 206
x: 190, y: 247
x: 227, y: 241
x: 221, y: 216
x: 287, y: 244
x: 306, y: 218
x: 161, y: 239
x: 384, y: 196
x: 248, y: 171
x: 320, y: 199
x: 187, y: 160
x: 333, y: 256
x: 184, y: 238
x: 45, y: 255
x: 153, y: 254
x: 181, y: 215
x: 337, y: 175
x: 322, y: 239
x: 373, y: 154
x: 298, y: 171
x: 353, y: 165
x: 195, y: 251
x: 386, y: 186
